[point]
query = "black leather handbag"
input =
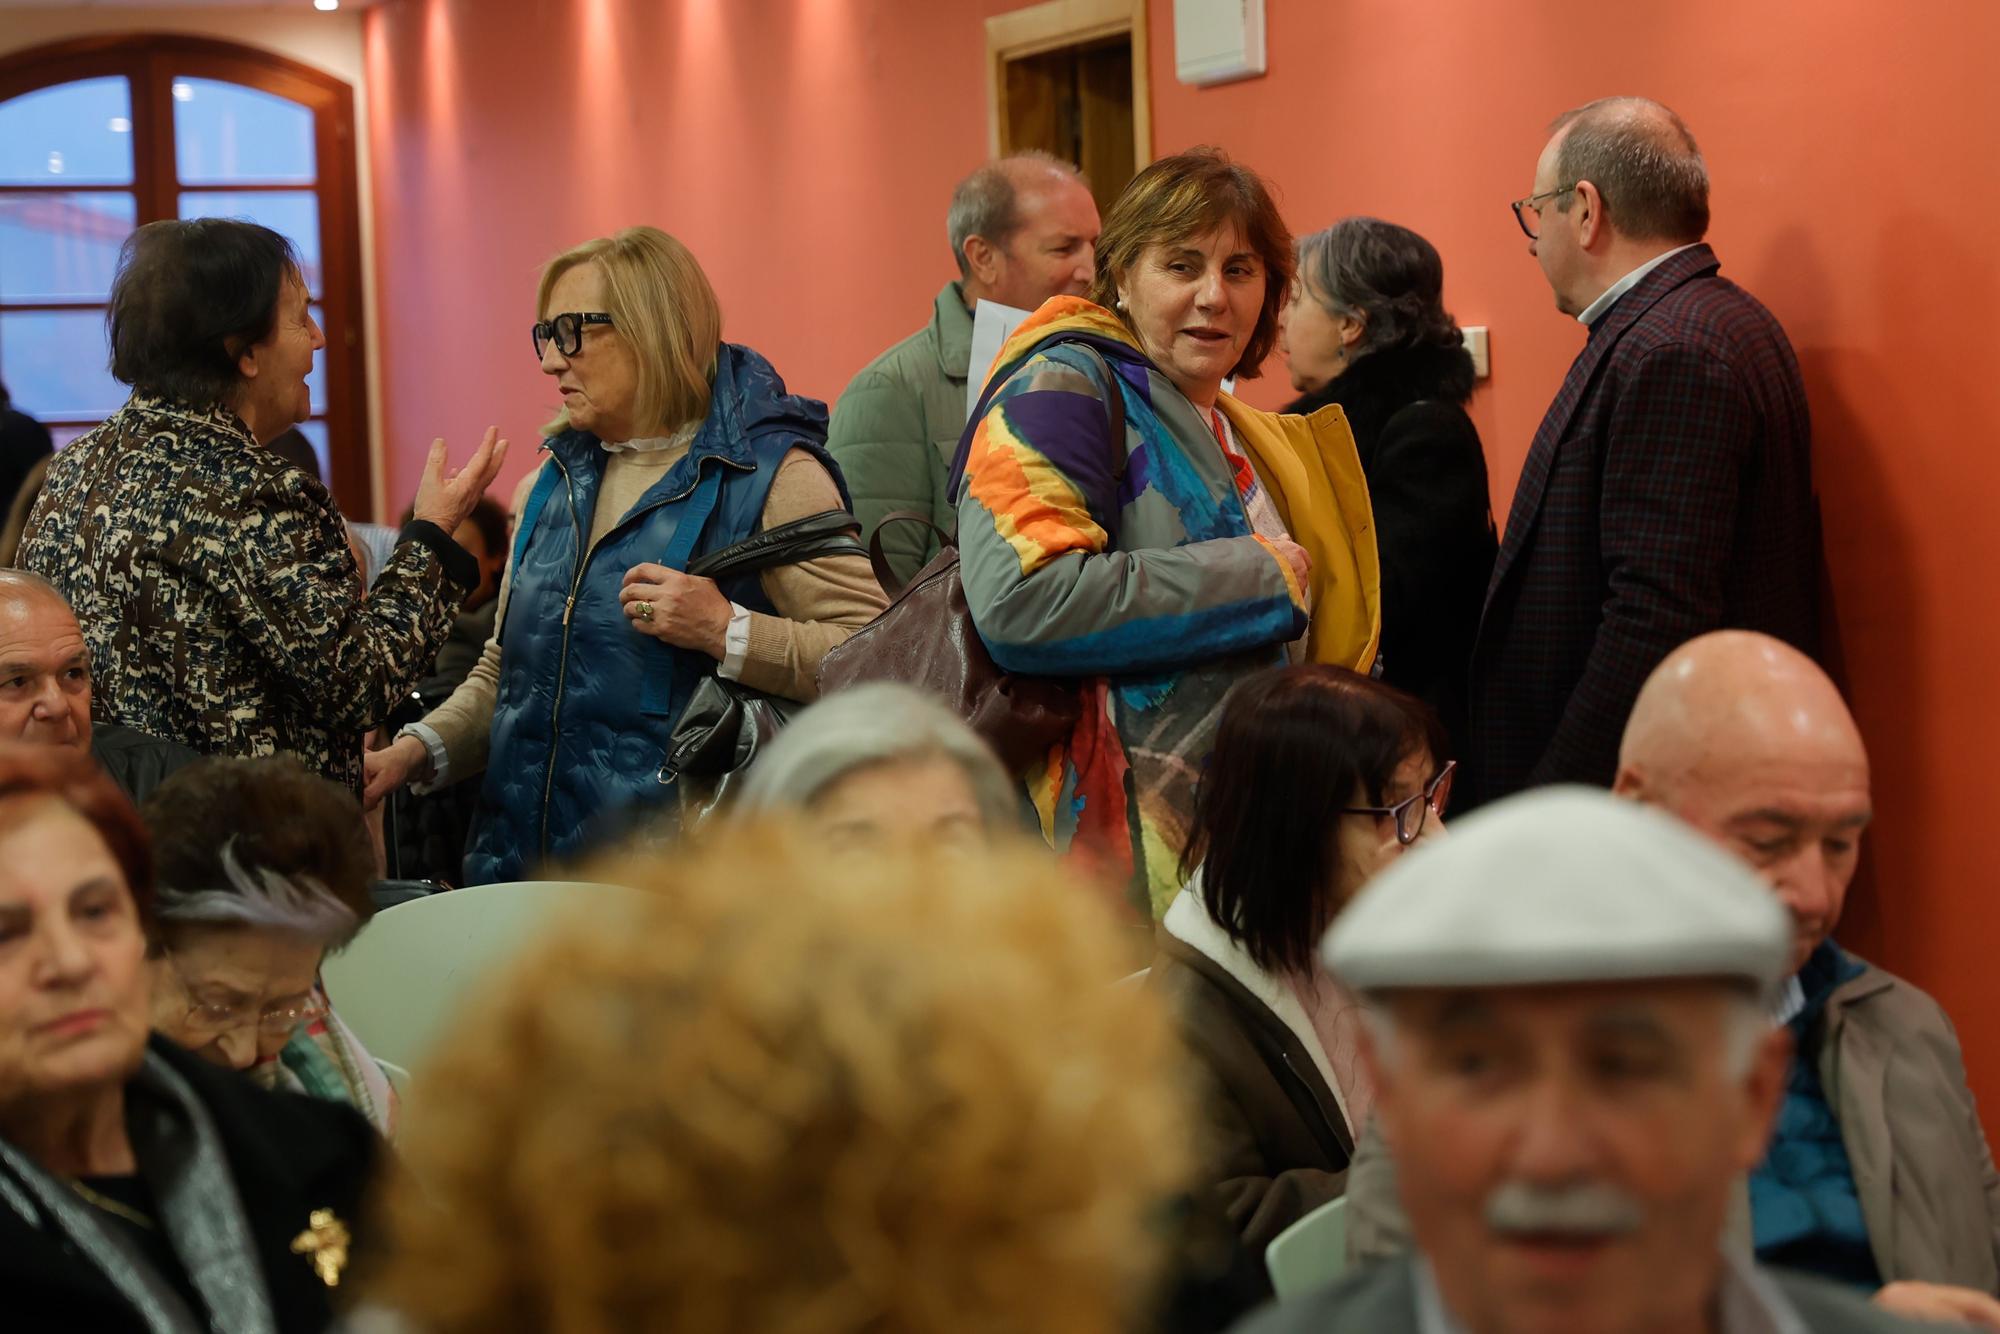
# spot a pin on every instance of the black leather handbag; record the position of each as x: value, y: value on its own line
x: 725, y: 723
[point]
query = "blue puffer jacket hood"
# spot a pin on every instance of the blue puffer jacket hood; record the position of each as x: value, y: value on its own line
x: 748, y: 402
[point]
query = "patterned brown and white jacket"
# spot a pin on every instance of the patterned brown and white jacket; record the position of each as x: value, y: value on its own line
x: 218, y: 594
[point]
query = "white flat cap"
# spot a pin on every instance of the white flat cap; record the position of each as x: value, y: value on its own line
x: 1561, y: 885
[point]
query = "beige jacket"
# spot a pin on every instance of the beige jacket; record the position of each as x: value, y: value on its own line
x: 1890, y: 1063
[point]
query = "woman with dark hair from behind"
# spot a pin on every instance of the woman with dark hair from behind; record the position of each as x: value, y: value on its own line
x: 213, y: 579
x: 1366, y: 328
x: 1320, y: 777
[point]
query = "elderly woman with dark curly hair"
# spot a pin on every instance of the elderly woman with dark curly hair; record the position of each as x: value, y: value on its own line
x: 142, y: 1191
x: 261, y: 868
x: 1367, y: 329
x: 1127, y: 523
x: 898, y: 1100
x: 213, y: 579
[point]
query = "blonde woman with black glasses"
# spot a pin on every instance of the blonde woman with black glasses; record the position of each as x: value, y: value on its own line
x: 671, y: 444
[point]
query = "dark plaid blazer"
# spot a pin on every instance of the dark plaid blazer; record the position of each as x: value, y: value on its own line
x: 1668, y: 493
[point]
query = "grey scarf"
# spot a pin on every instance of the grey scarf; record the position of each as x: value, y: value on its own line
x: 180, y: 1156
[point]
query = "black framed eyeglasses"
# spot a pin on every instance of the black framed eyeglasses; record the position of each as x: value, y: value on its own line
x: 1529, y: 207
x: 566, y: 331
x: 1409, y: 813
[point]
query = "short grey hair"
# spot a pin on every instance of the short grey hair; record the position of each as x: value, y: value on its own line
x: 868, y: 725
x: 985, y: 204
x: 1643, y: 161
x: 256, y: 896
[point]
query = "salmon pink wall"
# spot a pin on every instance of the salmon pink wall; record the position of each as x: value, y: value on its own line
x: 1854, y: 193
x: 805, y: 148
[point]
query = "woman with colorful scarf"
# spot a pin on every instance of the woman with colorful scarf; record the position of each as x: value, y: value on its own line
x: 262, y: 867
x: 1159, y: 568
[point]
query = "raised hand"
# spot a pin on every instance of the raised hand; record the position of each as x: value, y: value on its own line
x: 445, y: 497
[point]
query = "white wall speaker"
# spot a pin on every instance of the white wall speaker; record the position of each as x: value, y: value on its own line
x: 1216, y: 41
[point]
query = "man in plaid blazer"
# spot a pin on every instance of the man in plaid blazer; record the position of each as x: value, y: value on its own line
x: 1669, y: 489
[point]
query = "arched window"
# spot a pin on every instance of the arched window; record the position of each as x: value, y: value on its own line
x: 98, y: 136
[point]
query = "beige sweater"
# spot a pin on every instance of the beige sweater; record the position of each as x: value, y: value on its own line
x: 820, y: 602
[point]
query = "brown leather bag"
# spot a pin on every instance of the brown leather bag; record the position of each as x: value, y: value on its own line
x: 925, y: 636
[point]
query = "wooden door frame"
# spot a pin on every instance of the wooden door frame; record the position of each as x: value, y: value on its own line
x: 1056, y: 24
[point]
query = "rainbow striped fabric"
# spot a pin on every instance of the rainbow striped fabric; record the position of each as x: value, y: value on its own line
x: 1132, y: 566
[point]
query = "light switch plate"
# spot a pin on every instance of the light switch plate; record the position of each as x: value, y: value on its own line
x: 1475, y: 343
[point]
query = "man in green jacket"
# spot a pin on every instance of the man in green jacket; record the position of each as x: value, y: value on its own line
x: 1023, y: 229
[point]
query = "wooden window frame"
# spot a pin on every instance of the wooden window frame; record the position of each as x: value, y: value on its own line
x: 150, y: 62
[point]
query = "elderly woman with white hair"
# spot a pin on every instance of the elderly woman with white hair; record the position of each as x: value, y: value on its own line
x: 880, y: 764
x: 261, y: 867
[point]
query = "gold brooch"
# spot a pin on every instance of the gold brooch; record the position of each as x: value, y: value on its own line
x: 325, y: 1242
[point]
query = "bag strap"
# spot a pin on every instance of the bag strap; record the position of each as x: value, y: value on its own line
x: 693, y: 519
x: 879, y: 561
x: 657, y: 688
x: 1114, y: 410
x: 532, y: 510
x: 828, y: 533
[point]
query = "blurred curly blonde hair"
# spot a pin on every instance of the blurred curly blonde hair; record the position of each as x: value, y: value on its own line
x: 905, y: 1096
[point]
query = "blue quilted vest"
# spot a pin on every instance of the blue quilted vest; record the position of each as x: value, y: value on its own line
x: 586, y: 703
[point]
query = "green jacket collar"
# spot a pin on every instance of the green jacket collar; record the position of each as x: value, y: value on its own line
x: 951, y: 329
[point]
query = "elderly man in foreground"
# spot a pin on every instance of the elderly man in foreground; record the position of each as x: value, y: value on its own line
x: 1878, y: 1174
x: 1573, y: 1062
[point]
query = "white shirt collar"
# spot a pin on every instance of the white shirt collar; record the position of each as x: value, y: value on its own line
x: 1627, y: 283
x: 1791, y: 1002
x: 1747, y: 1302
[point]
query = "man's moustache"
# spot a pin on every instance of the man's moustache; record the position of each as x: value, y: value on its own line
x: 1592, y: 1209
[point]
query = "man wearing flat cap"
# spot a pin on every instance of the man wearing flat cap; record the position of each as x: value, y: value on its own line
x: 1878, y: 1175
x: 1573, y: 1061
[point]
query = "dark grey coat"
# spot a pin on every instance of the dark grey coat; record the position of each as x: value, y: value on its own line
x: 1382, y: 1299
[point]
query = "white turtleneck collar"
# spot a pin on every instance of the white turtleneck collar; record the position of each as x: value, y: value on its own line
x: 650, y: 444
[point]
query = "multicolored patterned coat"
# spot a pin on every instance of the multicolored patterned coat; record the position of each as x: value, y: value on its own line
x: 219, y: 597
x: 1133, y: 565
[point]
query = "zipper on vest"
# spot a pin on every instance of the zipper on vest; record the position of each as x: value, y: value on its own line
x: 562, y: 662
x: 585, y: 549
